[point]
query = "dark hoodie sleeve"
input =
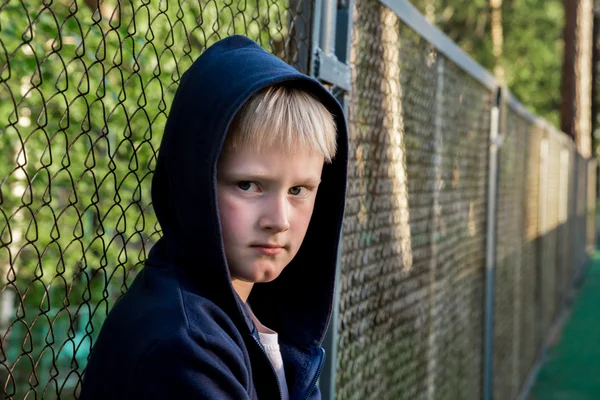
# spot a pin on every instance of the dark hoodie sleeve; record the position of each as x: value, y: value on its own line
x: 186, y: 367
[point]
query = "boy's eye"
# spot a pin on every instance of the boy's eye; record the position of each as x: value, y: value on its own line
x: 297, y: 190
x: 247, y: 186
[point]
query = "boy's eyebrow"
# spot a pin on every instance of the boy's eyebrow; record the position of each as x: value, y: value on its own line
x: 265, y: 177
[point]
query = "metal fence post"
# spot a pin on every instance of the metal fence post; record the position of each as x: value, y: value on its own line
x: 326, y: 63
x: 490, y: 259
x: 328, y: 23
x: 590, y: 210
x: 573, y: 240
x: 432, y: 344
x: 332, y: 38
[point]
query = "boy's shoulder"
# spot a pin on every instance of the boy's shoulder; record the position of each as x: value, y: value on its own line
x: 164, y: 341
x: 161, y: 300
x: 160, y: 324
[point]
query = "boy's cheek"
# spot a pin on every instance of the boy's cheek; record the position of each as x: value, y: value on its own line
x: 229, y: 206
x: 233, y: 221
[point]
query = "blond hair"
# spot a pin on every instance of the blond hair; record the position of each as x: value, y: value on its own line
x: 284, y: 117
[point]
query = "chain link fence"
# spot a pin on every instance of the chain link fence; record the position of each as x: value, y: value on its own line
x: 411, y: 319
x: 86, y: 88
x: 539, y: 251
x: 414, y: 236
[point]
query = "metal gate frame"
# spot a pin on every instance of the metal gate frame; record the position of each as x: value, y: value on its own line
x: 330, y: 59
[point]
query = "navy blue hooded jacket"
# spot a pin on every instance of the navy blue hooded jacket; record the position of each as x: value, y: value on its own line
x: 181, y: 331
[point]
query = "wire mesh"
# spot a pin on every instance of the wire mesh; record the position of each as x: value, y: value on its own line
x: 411, y: 305
x: 86, y: 87
x: 534, y: 247
x: 549, y: 230
x: 532, y: 336
x: 411, y: 293
x: 383, y: 289
x: 527, y: 245
x: 581, y: 209
x: 591, y: 187
x: 523, y: 269
x: 464, y: 144
x: 508, y: 262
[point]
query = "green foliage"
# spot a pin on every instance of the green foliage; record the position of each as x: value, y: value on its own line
x: 532, y: 48
x: 466, y: 23
x: 83, y: 103
x: 533, y: 54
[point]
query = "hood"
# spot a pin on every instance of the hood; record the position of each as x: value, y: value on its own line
x: 298, y: 303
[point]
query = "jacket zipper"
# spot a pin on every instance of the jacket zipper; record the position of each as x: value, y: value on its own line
x: 311, y: 388
x: 271, y: 365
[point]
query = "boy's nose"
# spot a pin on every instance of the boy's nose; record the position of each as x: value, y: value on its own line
x: 275, y: 215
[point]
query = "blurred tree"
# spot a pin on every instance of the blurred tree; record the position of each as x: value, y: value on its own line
x: 596, y: 82
x: 465, y: 23
x: 576, y: 87
x: 497, y: 39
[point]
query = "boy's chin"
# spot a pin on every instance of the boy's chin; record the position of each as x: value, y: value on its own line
x: 266, y: 277
x: 265, y: 273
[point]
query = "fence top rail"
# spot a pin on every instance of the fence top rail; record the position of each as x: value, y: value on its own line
x: 520, y: 109
x: 549, y: 129
x: 413, y: 18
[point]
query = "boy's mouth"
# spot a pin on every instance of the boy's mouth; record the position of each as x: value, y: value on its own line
x: 268, y: 249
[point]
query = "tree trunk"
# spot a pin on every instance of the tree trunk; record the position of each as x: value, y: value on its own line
x: 497, y: 39
x: 595, y: 78
x: 576, y: 87
x: 430, y: 11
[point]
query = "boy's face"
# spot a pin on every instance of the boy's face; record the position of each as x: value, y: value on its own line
x: 266, y: 200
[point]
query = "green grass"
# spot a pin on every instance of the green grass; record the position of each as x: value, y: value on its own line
x: 571, y: 370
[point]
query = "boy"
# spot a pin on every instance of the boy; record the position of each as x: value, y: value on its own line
x: 249, y: 187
